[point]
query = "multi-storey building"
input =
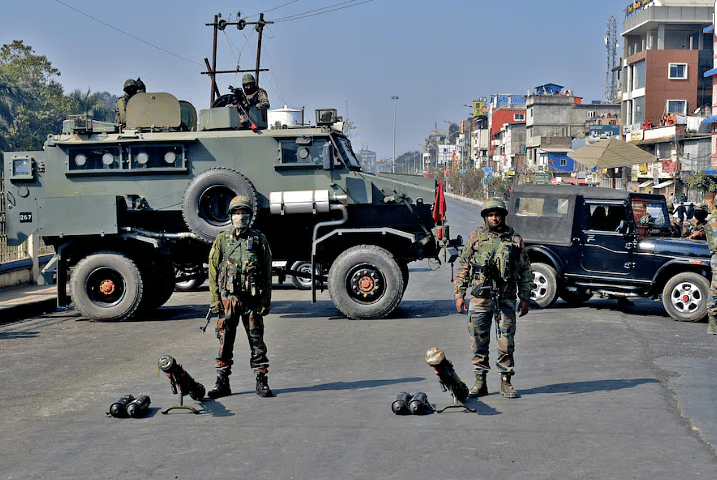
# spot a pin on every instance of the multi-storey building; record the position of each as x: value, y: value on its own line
x: 665, y: 54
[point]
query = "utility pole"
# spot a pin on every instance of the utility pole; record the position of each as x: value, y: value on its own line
x: 220, y: 25
x: 393, y: 164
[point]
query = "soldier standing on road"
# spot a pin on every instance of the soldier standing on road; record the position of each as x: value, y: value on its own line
x: 711, y: 235
x: 255, y: 96
x: 130, y: 89
x: 240, y: 289
x: 496, y: 246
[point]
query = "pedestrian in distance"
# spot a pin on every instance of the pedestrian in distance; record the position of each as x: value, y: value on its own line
x: 240, y: 290
x: 495, y: 266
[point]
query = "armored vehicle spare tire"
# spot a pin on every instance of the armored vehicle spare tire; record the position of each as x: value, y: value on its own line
x: 207, y: 197
x: 365, y: 282
x: 106, y: 286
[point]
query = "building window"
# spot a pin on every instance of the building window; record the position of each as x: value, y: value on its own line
x: 638, y: 75
x: 678, y: 71
x: 677, y: 106
x: 519, y: 117
x: 563, y: 162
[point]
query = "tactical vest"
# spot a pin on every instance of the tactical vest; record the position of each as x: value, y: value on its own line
x: 241, y: 260
x: 495, y: 250
x: 711, y: 232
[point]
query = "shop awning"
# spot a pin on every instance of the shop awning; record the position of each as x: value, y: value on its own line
x: 664, y: 184
x: 709, y: 73
x: 710, y: 119
x: 645, y: 184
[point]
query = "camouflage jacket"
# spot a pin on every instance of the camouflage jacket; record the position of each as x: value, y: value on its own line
x: 711, y: 232
x: 121, y: 110
x: 505, y: 252
x: 693, y: 227
x: 240, y: 266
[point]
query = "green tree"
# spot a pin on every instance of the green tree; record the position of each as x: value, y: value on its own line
x: 35, y: 104
x: 99, y: 106
x: 703, y: 183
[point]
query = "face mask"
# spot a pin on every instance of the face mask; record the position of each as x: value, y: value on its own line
x: 241, y: 220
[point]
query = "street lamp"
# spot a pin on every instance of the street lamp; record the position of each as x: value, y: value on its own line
x: 393, y: 164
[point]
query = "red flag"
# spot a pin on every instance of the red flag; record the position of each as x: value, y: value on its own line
x: 439, y: 206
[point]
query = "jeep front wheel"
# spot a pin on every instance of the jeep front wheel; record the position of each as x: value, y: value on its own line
x: 685, y: 297
x: 545, y: 285
x: 366, y: 282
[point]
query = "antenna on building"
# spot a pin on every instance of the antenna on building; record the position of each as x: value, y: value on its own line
x: 612, y: 66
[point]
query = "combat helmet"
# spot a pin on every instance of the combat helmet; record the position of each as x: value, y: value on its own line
x: 131, y: 82
x: 703, y: 210
x: 239, y: 202
x: 248, y: 78
x: 494, y: 204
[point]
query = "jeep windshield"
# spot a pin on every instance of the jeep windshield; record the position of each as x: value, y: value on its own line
x: 651, y: 216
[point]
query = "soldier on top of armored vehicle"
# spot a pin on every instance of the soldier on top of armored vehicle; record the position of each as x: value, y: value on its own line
x: 131, y: 87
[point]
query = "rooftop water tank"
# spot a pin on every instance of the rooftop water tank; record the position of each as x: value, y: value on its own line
x: 284, y: 117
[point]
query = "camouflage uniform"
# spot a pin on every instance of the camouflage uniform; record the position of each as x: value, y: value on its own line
x: 693, y: 228
x: 240, y: 288
x: 257, y: 98
x: 130, y: 88
x: 711, y: 235
x: 505, y: 252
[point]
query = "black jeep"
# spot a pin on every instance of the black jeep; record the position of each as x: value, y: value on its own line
x: 584, y: 241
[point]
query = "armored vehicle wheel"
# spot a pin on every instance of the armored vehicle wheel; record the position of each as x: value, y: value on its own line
x: 158, y: 283
x: 404, y: 273
x: 303, y: 283
x: 545, y: 285
x: 576, y: 297
x: 685, y: 297
x: 106, y: 286
x: 365, y: 282
x: 207, y: 197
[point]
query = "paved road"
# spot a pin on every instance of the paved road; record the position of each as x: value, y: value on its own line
x: 607, y: 393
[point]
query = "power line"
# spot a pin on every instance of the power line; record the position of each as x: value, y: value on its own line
x: 128, y: 34
x: 321, y: 11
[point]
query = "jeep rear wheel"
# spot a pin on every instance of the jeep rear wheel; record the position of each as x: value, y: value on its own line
x: 545, y: 285
x: 365, y: 282
x: 106, y: 286
x: 685, y: 297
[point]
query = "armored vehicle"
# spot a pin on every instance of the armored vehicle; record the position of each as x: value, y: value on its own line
x: 585, y: 241
x: 127, y: 208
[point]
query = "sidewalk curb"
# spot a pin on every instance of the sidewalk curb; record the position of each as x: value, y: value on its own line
x: 26, y: 310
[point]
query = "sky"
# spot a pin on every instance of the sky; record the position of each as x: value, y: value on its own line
x: 353, y: 55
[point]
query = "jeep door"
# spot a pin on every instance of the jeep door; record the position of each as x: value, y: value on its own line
x: 607, y: 250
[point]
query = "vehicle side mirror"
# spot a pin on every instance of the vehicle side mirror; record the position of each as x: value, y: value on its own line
x: 622, y: 227
x: 328, y: 156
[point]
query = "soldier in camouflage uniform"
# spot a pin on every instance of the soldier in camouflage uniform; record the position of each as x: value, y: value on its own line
x: 694, y: 227
x: 240, y: 289
x: 498, y: 248
x: 130, y: 89
x: 711, y: 235
x: 255, y: 97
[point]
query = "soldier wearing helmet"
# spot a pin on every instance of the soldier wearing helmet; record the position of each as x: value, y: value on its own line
x: 130, y: 88
x: 493, y: 257
x: 711, y: 236
x: 240, y: 289
x: 694, y: 227
x: 256, y: 97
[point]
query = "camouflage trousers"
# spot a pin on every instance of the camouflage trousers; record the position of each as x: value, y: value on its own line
x: 480, y: 320
x: 226, y: 330
x: 712, y: 297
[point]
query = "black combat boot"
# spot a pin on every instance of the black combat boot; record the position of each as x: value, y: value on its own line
x: 262, y: 385
x: 221, y: 388
x: 480, y: 388
x: 506, y: 389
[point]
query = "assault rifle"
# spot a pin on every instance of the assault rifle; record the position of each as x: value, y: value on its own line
x: 491, y: 281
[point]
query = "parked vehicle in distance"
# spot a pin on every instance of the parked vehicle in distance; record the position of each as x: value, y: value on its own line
x: 584, y: 241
